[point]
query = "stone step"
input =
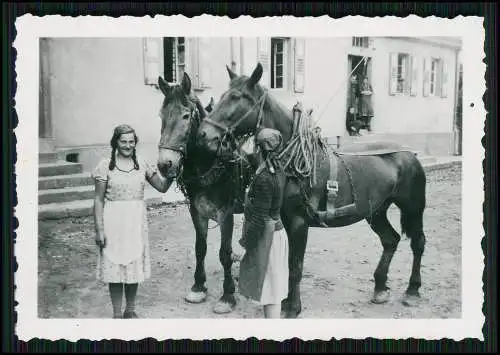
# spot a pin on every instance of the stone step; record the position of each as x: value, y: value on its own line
x: 62, y: 181
x: 47, y: 157
x: 80, y: 208
x: 59, y: 168
x: 66, y: 194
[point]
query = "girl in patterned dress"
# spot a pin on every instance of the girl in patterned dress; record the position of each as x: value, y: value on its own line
x: 120, y: 217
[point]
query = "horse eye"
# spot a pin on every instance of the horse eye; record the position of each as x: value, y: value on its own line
x: 186, y: 116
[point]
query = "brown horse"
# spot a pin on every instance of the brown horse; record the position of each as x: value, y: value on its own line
x: 211, y: 186
x: 370, y: 182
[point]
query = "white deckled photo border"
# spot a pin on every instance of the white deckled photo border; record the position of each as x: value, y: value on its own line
x: 30, y: 28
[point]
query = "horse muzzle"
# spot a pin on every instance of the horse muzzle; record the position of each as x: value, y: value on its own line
x: 169, y: 162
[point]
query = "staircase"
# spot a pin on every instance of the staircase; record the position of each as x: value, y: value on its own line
x: 63, y: 188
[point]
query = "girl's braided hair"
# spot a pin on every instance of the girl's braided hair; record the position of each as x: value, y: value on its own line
x: 119, y: 130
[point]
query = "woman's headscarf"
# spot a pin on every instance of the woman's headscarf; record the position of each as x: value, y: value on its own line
x: 269, y: 140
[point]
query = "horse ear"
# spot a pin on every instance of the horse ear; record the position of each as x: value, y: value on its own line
x: 256, y: 75
x: 210, y: 105
x: 164, y: 87
x: 232, y: 74
x: 186, y: 84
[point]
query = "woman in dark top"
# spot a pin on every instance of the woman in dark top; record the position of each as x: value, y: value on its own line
x: 366, y: 110
x: 264, y: 267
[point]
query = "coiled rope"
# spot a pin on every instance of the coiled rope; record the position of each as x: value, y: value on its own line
x: 299, y: 156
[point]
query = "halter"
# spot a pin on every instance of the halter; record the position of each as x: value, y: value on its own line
x: 182, y: 149
x: 228, y: 131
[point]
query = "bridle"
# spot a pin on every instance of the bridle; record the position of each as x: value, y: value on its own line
x: 228, y: 136
x: 182, y: 148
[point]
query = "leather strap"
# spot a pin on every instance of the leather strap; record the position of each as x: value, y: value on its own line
x: 332, y: 186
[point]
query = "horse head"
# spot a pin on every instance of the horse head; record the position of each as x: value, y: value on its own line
x: 180, y: 115
x: 238, y: 113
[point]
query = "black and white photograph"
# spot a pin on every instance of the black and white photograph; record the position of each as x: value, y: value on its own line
x: 210, y: 177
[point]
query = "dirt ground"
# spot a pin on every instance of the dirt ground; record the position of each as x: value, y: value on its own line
x: 338, y: 266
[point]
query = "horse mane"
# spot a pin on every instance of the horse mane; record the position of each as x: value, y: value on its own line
x: 271, y: 107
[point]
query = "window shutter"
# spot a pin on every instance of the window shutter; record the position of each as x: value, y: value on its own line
x: 299, y: 64
x: 393, y: 71
x: 203, y: 65
x: 444, y: 85
x: 371, y: 43
x: 263, y: 56
x: 153, y: 60
x: 414, y: 76
x: 427, y: 77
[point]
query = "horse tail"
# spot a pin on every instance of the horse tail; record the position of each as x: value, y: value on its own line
x: 413, y: 205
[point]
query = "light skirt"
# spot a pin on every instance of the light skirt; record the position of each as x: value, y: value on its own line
x: 126, y: 257
x: 275, y: 288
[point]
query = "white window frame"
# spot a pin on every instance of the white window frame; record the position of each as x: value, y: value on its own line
x: 435, y: 76
x: 361, y: 42
x: 180, y: 68
x: 404, y: 70
x: 286, y: 63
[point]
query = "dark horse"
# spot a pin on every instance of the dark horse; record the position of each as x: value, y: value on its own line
x: 211, y: 186
x: 371, y: 181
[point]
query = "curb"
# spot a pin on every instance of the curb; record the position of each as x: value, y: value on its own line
x: 441, y: 165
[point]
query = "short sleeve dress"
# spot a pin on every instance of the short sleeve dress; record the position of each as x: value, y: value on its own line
x: 126, y: 256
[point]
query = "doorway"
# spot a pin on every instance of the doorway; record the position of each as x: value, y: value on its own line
x: 359, y: 68
x: 45, y: 128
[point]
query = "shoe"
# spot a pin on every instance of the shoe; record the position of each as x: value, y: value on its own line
x: 130, y: 314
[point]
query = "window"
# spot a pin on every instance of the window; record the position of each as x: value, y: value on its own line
x: 435, y: 77
x: 362, y: 42
x: 283, y: 62
x: 435, y: 73
x: 174, y: 50
x: 403, y: 74
x: 278, y: 63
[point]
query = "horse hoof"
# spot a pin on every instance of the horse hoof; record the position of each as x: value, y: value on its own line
x: 380, y: 297
x: 411, y: 300
x: 196, y: 297
x: 222, y: 308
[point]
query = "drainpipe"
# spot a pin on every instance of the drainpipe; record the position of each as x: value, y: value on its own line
x: 231, y: 49
x: 241, y: 56
x: 456, y: 133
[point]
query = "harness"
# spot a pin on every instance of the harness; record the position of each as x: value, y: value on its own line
x: 302, y: 165
x: 182, y: 149
x: 228, y: 131
x: 216, y: 171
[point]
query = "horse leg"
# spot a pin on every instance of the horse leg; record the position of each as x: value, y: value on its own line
x: 412, y: 223
x: 227, y: 302
x: 297, y: 230
x: 198, y: 292
x: 390, y: 240
x: 411, y: 202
